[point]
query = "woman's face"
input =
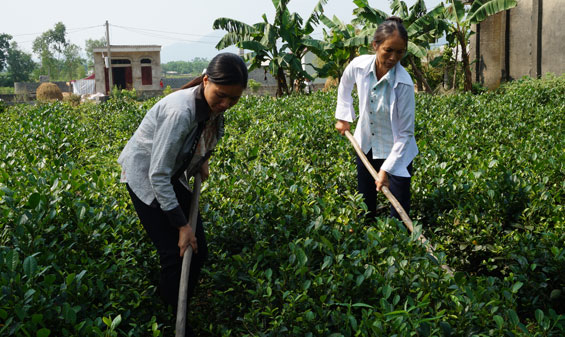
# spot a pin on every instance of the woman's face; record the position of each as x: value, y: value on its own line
x: 389, y: 52
x: 221, y: 97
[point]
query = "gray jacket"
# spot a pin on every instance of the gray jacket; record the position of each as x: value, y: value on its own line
x: 161, y: 144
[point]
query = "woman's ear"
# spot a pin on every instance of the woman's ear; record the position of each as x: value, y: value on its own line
x: 374, y: 44
x: 205, y: 80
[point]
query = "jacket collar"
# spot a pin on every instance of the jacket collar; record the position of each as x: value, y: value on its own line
x: 203, y: 111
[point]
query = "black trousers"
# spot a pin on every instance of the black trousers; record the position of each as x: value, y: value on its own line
x: 399, y: 187
x: 165, y: 238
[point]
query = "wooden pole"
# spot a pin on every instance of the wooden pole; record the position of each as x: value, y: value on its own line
x: 110, y: 79
x: 183, y: 287
x: 403, y: 215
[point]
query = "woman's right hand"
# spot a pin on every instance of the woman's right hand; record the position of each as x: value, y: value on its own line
x: 342, y: 126
x: 187, y: 237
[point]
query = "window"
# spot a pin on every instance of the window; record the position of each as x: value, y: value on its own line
x: 146, y: 61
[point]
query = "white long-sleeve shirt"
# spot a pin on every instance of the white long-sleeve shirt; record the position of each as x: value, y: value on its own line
x: 402, y: 106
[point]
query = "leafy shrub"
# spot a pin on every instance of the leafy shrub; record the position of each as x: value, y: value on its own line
x: 124, y: 93
x: 6, y: 90
x: 167, y: 90
x: 253, y: 85
x: 72, y: 99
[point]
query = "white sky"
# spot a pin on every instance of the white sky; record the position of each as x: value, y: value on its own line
x: 162, y: 22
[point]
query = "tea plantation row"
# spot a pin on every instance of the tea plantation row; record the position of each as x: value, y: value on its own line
x: 290, y: 252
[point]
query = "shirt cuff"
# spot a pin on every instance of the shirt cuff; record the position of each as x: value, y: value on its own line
x: 344, y: 113
x: 176, y: 217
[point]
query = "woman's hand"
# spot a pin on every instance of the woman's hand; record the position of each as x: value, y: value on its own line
x: 205, y: 170
x: 187, y: 237
x: 382, y: 180
x: 342, y: 126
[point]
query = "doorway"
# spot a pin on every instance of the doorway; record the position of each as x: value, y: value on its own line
x: 121, y: 76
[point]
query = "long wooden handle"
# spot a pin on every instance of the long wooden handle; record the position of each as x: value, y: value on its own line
x: 187, y: 257
x: 403, y: 215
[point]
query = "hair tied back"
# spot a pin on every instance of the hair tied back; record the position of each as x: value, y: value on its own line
x: 394, y: 18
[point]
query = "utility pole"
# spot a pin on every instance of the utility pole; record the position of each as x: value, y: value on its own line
x: 110, y: 80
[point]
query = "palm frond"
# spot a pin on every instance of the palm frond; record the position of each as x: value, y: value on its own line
x: 227, y: 40
x: 231, y: 25
x: 490, y: 8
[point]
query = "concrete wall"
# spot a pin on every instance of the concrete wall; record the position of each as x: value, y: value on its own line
x: 260, y: 76
x: 527, y: 40
x: 491, y: 45
x: 22, y: 88
x: 553, y: 38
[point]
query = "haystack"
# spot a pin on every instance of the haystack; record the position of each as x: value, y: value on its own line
x: 48, y: 92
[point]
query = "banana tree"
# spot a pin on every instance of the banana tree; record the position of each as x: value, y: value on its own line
x: 261, y: 40
x: 423, y: 28
x: 338, y: 48
x: 294, y: 33
x: 280, y: 44
x: 462, y: 16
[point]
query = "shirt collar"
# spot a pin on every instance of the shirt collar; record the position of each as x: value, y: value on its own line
x: 401, y: 75
x: 203, y: 111
x: 389, y: 76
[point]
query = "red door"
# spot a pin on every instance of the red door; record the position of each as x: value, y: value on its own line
x: 129, y: 80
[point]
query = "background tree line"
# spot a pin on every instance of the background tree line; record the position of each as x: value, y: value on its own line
x: 57, y: 57
x: 192, y: 67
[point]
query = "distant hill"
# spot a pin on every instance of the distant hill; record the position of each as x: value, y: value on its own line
x: 185, y: 51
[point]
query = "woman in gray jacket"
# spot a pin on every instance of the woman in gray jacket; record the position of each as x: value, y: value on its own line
x: 172, y: 143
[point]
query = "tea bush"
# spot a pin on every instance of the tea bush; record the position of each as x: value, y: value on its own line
x: 291, y: 253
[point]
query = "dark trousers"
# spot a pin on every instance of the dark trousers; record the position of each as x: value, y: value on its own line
x: 399, y: 187
x: 165, y: 238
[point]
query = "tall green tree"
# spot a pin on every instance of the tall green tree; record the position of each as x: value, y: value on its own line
x: 20, y: 64
x: 461, y: 17
x: 49, y: 47
x: 339, y: 46
x: 89, y: 46
x: 280, y: 43
x: 74, y: 63
x: 4, y: 47
x: 15, y: 65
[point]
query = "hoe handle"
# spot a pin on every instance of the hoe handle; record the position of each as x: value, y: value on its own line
x: 403, y: 215
x: 187, y: 257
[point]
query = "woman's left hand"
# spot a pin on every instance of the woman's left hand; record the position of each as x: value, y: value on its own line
x: 205, y: 170
x: 187, y: 237
x: 382, y: 180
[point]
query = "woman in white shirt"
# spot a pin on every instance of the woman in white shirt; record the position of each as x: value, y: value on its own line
x: 385, y: 130
x: 173, y: 142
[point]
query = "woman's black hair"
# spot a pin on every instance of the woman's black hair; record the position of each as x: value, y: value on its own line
x: 224, y: 69
x: 387, y: 28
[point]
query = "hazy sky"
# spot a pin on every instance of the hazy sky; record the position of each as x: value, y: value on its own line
x: 164, y: 23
